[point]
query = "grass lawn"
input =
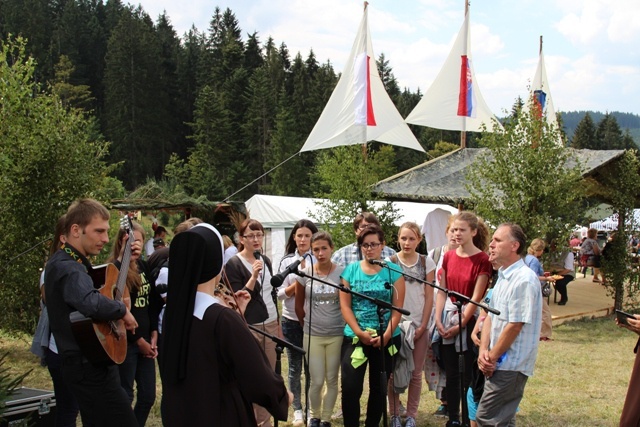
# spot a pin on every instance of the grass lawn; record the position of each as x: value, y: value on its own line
x: 580, y: 378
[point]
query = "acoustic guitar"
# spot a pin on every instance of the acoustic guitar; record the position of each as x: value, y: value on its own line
x: 106, y: 341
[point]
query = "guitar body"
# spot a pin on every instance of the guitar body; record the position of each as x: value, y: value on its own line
x: 102, y: 341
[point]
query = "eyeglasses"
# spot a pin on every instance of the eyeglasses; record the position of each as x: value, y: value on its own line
x: 363, y: 226
x: 258, y: 236
x: 367, y: 246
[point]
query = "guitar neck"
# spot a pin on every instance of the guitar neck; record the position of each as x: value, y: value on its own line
x: 124, y: 269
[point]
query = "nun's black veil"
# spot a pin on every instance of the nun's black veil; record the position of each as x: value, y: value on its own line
x: 195, y: 257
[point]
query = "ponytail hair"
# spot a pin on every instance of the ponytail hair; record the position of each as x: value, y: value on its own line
x: 481, y: 239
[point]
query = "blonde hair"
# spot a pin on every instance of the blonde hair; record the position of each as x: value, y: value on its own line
x: 535, y: 246
x: 226, y: 241
x: 410, y: 225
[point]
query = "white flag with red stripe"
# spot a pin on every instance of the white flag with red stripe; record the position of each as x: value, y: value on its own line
x: 360, y: 109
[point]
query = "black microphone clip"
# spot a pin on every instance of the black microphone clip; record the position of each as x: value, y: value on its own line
x: 377, y: 262
x: 278, y: 279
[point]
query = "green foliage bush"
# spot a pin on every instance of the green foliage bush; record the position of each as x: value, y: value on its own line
x: 49, y: 156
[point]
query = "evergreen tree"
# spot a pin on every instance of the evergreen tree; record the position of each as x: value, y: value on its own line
x: 292, y: 177
x: 627, y: 141
x: 177, y: 111
x: 608, y: 134
x: 71, y: 96
x: 585, y: 134
x: 388, y: 79
x: 212, y: 164
x: 32, y: 20
x: 190, y: 60
x: 253, y: 53
x: 136, y: 105
x: 258, y: 121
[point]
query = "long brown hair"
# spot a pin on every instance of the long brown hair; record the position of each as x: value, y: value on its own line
x: 481, y: 239
x: 134, y: 281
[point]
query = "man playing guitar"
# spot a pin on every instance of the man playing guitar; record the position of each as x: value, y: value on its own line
x: 68, y: 288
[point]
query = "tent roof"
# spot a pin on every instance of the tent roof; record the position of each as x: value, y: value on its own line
x: 443, y: 180
x: 284, y: 212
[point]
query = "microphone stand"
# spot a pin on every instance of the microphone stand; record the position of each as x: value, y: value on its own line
x: 383, y: 308
x: 459, y: 299
x: 280, y: 345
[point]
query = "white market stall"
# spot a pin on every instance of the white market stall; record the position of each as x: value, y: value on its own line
x: 611, y: 223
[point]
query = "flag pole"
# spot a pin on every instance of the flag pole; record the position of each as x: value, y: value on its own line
x: 463, y: 132
x: 364, y: 128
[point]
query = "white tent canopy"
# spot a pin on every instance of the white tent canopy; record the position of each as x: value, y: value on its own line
x: 611, y: 222
x: 278, y: 214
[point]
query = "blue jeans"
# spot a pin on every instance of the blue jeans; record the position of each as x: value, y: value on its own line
x: 66, y: 403
x: 142, y: 370
x: 292, y: 331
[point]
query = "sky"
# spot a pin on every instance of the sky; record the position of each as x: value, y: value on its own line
x: 591, y: 47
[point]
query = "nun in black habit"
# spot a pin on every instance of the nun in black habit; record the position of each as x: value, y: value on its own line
x: 212, y: 367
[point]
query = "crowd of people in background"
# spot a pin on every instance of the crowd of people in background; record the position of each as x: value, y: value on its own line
x: 207, y: 306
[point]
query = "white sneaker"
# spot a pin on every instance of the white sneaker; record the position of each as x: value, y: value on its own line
x: 402, y: 410
x: 298, y: 421
x: 395, y: 421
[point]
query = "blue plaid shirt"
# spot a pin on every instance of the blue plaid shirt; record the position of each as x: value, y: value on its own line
x: 518, y: 298
x: 351, y: 253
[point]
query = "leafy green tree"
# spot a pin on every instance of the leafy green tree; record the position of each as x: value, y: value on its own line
x: 619, y: 185
x: 345, y: 176
x: 442, y: 148
x: 49, y: 156
x: 585, y: 134
x: 526, y: 177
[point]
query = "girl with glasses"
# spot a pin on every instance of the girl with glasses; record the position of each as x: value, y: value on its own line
x: 246, y: 271
x: 362, y: 343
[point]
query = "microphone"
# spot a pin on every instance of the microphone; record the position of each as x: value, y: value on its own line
x: 278, y: 279
x: 377, y: 262
x: 257, y: 254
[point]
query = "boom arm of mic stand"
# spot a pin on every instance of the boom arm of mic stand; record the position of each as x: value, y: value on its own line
x: 277, y: 340
x: 376, y: 301
x: 458, y: 296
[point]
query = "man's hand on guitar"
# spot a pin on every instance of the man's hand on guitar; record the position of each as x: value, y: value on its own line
x: 130, y: 322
